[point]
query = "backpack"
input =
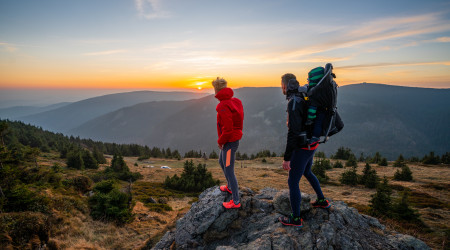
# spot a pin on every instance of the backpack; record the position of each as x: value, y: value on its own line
x: 326, y: 93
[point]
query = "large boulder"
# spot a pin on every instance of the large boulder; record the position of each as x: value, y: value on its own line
x: 255, y: 225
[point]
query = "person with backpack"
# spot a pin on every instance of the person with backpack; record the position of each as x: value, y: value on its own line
x: 298, y: 156
x: 230, y: 119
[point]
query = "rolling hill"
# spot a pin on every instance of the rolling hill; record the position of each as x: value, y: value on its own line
x: 73, y: 115
x: 16, y: 112
x: 390, y: 119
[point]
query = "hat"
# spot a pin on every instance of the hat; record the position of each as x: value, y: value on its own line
x: 315, y: 75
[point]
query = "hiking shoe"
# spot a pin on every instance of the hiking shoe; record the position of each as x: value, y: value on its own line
x: 231, y: 204
x: 291, y: 221
x: 224, y: 188
x: 323, y: 203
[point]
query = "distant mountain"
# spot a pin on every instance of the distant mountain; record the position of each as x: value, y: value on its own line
x: 12, y: 113
x: 73, y: 115
x: 389, y: 119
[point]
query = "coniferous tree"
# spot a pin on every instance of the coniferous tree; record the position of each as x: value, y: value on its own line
x: 351, y: 162
x: 343, y: 154
x: 214, y: 155
x: 381, y: 204
x: 383, y: 162
x: 338, y: 164
x: 99, y: 157
x: 349, y: 177
x: 431, y: 159
x: 319, y: 167
x: 75, y: 160
x: 402, y: 210
x: 445, y: 158
x: 89, y: 161
x: 404, y: 175
x: 369, y: 177
x: 400, y: 162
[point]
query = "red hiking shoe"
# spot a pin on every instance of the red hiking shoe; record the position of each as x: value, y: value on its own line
x: 231, y: 204
x: 324, y: 203
x: 224, y: 188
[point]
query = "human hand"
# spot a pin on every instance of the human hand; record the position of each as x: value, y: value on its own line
x: 287, y: 165
x: 220, y: 146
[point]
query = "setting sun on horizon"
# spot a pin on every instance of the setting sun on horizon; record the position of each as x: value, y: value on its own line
x: 173, y: 44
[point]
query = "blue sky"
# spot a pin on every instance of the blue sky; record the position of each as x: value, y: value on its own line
x: 184, y: 44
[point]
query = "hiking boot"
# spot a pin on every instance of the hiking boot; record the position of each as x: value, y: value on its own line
x: 323, y: 203
x: 231, y: 204
x: 308, y: 122
x: 224, y: 188
x: 291, y: 221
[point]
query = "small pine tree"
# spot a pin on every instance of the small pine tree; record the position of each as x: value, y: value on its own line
x: 381, y: 204
x: 401, y: 209
x: 431, y: 159
x: 400, y: 162
x: 319, y: 168
x: 75, y: 160
x: 369, y: 177
x: 383, y: 162
x: 404, y: 175
x: 351, y: 162
x: 99, y: 157
x: 89, y: 161
x: 214, y: 155
x: 376, y: 158
x: 445, y: 158
x: 349, y: 177
x: 338, y: 164
x: 320, y: 154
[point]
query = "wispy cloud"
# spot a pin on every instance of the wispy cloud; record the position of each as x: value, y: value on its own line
x: 8, y: 47
x: 106, y: 52
x: 445, y: 39
x: 151, y: 9
x: 378, y: 30
x: 389, y: 64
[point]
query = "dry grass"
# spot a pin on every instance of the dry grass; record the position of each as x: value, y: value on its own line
x: 431, y: 184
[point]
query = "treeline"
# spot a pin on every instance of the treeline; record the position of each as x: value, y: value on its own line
x: 346, y: 154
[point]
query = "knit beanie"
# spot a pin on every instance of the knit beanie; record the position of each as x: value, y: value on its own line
x: 315, y: 75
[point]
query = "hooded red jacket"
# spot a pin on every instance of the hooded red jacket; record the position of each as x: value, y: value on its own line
x: 230, y: 117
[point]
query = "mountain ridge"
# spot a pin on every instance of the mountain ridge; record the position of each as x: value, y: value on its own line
x: 390, y: 119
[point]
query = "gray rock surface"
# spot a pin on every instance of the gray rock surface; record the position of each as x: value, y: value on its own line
x: 255, y: 225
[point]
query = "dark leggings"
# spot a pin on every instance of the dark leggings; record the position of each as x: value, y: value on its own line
x: 226, y: 161
x: 301, y: 162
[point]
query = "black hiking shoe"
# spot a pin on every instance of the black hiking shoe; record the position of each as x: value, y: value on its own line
x: 291, y: 221
x: 323, y: 203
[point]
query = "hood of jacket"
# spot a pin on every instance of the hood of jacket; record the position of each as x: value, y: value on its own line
x: 224, y: 94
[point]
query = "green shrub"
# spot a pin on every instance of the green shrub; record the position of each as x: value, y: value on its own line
x: 402, y: 211
x: 404, y: 175
x: 445, y: 158
x: 319, y: 168
x: 80, y: 183
x: 431, y: 159
x: 119, y: 170
x: 351, y: 162
x: 320, y: 154
x: 338, y: 164
x: 369, y: 177
x: 381, y: 204
x: 193, y: 179
x: 383, y: 162
x: 109, y: 204
x: 400, y: 162
x: 89, y: 161
x: 23, y: 227
x: 350, y: 177
x: 75, y: 160
x: 214, y: 155
x: 20, y: 198
x: 343, y: 154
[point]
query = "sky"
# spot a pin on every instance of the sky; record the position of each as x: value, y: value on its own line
x: 184, y: 44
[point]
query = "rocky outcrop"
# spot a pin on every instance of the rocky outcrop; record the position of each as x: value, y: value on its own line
x: 255, y: 225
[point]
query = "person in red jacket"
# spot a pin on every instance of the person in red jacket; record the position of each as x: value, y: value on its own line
x: 230, y: 119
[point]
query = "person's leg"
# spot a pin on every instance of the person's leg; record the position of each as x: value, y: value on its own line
x: 222, y: 164
x: 312, y: 179
x: 228, y: 160
x: 298, y: 163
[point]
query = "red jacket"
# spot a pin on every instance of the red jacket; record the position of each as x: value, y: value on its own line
x: 230, y: 117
